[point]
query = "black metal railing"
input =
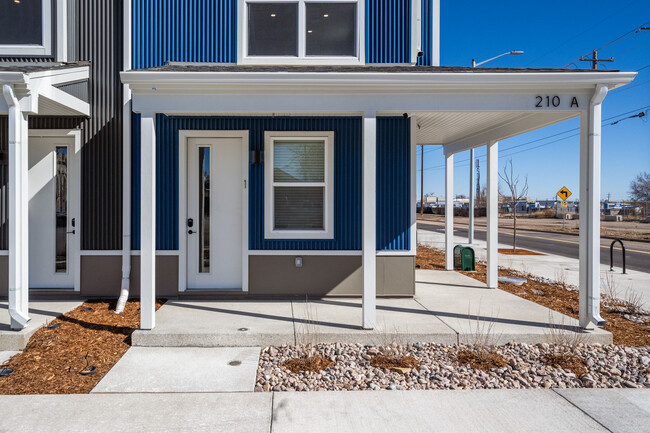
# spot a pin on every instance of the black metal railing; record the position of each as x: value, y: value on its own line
x: 611, y: 254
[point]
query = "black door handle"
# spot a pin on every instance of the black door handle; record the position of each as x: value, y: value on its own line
x: 71, y: 233
x: 191, y: 232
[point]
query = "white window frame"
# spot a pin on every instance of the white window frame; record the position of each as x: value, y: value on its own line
x: 45, y: 48
x: 270, y: 232
x: 302, y: 59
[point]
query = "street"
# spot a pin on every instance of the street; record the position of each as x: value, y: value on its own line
x: 637, y: 253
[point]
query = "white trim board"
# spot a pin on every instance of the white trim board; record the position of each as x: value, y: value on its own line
x: 183, y: 136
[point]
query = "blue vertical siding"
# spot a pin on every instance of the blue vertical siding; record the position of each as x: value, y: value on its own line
x: 388, y: 31
x: 347, y: 178
x: 183, y: 31
x: 393, y: 183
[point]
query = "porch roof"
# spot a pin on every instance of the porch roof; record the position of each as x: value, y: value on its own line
x: 36, y: 86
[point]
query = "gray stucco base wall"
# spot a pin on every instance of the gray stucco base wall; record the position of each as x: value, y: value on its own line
x: 328, y: 275
x: 102, y: 276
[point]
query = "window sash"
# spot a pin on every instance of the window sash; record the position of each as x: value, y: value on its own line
x: 43, y: 49
x: 302, y: 57
x: 327, y: 185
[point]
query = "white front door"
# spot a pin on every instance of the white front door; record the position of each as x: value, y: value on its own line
x: 51, y: 219
x: 215, y: 218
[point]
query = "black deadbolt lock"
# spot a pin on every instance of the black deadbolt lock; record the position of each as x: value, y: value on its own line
x: 190, y: 222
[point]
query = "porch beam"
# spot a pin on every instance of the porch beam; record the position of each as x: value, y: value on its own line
x: 369, y: 253
x: 492, y: 214
x: 449, y: 212
x: 589, y: 252
x: 17, y: 212
x: 148, y: 222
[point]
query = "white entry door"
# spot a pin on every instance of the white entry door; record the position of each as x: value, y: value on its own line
x: 215, y: 219
x: 51, y: 212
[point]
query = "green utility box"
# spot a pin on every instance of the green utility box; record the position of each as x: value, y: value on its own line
x: 464, y: 259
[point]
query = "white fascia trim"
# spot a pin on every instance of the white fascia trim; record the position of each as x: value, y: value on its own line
x: 144, y: 81
x: 388, y: 253
x: 60, y: 76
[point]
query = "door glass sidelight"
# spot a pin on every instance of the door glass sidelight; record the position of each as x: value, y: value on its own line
x: 61, y: 209
x: 204, y: 210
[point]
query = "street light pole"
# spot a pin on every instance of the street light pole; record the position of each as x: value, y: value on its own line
x: 472, y: 182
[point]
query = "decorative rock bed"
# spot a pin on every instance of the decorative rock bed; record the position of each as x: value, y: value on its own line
x: 606, y: 366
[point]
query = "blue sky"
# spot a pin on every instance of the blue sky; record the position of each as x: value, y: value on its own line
x: 553, y: 34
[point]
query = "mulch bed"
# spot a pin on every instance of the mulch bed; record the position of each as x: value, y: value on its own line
x: 555, y: 296
x: 400, y: 364
x: 519, y: 252
x: 481, y: 359
x: 91, y: 335
x: 314, y: 364
x: 567, y: 361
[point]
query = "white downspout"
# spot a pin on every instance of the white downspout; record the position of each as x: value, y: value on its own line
x: 126, y: 167
x: 594, y: 164
x: 17, y: 311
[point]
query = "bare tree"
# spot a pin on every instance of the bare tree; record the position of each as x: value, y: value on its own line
x: 517, y: 192
x: 640, y: 190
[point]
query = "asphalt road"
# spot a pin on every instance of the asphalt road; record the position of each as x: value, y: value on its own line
x: 637, y: 253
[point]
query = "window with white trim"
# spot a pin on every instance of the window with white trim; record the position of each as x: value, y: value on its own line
x: 297, y: 31
x: 26, y: 28
x: 299, y: 185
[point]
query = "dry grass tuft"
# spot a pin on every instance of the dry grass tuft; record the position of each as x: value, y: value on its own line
x: 314, y: 364
x: 481, y: 359
x: 566, y: 361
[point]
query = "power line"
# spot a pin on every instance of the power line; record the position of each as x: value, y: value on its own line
x: 631, y: 49
x: 583, y: 32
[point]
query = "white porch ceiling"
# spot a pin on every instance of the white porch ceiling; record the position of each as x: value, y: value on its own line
x: 475, y: 128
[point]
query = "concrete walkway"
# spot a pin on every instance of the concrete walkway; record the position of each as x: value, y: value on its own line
x: 576, y: 411
x: 448, y: 308
x: 40, y: 312
x: 553, y: 267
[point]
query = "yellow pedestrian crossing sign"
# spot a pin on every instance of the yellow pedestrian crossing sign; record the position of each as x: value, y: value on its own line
x: 564, y: 204
x: 564, y: 193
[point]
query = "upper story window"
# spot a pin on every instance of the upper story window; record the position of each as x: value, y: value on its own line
x: 301, y: 31
x: 26, y: 28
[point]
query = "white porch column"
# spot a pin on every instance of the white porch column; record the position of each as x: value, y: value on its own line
x: 369, y: 259
x: 472, y: 187
x: 492, y: 214
x: 148, y: 222
x: 18, y: 213
x: 589, y: 279
x: 449, y: 212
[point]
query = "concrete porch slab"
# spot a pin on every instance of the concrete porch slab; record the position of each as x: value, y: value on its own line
x: 183, y: 369
x: 5, y: 355
x: 219, y: 324
x: 399, y: 321
x: 472, y: 310
x: 40, y: 312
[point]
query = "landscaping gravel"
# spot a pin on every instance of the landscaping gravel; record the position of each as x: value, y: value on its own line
x: 607, y: 366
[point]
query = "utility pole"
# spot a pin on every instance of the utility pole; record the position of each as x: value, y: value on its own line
x: 471, y: 197
x: 594, y: 60
x: 422, y: 180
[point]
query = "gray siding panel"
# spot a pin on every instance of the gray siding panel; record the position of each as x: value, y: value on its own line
x: 100, y: 35
x: 98, y: 39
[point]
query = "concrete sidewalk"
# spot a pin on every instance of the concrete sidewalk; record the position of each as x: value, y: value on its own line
x: 550, y: 266
x: 448, y: 308
x: 40, y: 312
x: 579, y: 410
